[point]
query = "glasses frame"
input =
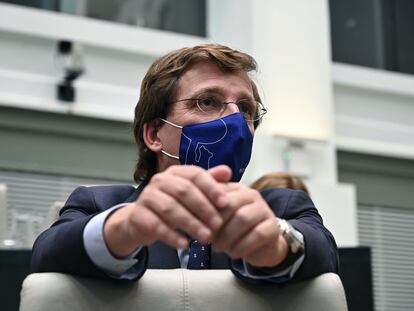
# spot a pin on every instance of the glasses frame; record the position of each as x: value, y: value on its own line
x: 260, y: 109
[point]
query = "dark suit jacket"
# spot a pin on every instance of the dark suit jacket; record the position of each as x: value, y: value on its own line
x: 61, y: 249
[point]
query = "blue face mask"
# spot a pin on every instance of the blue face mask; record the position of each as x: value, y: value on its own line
x: 223, y: 141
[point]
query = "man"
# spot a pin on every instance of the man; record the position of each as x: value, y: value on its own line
x: 194, y: 126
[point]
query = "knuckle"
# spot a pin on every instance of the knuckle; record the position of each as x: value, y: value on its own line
x: 196, y: 169
x: 165, y: 234
x: 146, y: 198
x: 216, y: 191
x: 258, y: 208
x: 157, y: 178
x: 162, y: 231
x: 205, y: 213
x: 183, y: 188
x: 254, y: 194
x: 260, y: 233
x: 172, y: 168
x: 192, y: 225
x: 198, y: 172
x: 242, y: 217
x: 168, y: 207
x: 151, y: 225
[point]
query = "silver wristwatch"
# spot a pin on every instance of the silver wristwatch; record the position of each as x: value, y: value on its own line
x: 295, y: 244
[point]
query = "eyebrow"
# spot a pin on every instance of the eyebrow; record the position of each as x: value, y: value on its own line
x: 218, y: 90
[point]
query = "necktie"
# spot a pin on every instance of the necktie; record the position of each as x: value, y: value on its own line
x: 199, y: 257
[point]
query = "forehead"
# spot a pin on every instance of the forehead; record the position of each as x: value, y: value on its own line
x: 208, y: 76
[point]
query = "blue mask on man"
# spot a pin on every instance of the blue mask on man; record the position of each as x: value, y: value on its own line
x: 226, y: 141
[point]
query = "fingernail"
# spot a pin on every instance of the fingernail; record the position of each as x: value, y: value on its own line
x: 204, y: 234
x: 216, y: 222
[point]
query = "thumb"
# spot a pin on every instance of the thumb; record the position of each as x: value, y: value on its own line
x: 221, y: 173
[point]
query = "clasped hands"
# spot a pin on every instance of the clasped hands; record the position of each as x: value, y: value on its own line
x: 231, y: 216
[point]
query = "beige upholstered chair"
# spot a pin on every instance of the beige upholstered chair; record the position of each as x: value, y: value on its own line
x: 178, y: 290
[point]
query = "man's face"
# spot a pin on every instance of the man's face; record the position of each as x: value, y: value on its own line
x: 200, y: 79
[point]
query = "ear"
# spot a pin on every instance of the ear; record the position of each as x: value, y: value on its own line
x: 150, y: 136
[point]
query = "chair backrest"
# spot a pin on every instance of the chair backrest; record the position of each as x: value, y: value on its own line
x: 179, y: 289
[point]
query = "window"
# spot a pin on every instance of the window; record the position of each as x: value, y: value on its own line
x: 373, y: 33
x: 183, y: 16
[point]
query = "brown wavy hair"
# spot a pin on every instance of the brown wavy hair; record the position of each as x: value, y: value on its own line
x: 279, y: 180
x: 159, y: 85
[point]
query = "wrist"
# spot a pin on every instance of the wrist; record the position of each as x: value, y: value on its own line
x: 276, y: 254
x: 282, y: 250
x: 293, y: 241
x: 117, y: 233
x: 290, y: 250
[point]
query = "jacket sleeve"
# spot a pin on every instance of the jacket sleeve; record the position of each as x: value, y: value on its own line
x: 61, y: 247
x: 321, y: 253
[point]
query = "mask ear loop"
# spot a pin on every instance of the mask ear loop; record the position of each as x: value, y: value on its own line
x: 170, y: 155
x: 177, y: 126
x: 170, y: 123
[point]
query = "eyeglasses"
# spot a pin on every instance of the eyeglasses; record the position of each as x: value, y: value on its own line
x: 215, y: 105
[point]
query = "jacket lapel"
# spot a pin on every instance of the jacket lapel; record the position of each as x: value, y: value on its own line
x: 134, y: 196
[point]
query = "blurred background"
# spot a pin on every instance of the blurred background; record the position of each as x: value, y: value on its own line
x: 336, y: 77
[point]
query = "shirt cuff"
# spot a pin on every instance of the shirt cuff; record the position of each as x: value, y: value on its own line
x: 254, y: 273
x: 98, y: 252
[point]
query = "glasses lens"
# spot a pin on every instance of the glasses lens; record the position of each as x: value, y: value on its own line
x: 210, y: 104
x: 248, y: 108
x: 214, y: 106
